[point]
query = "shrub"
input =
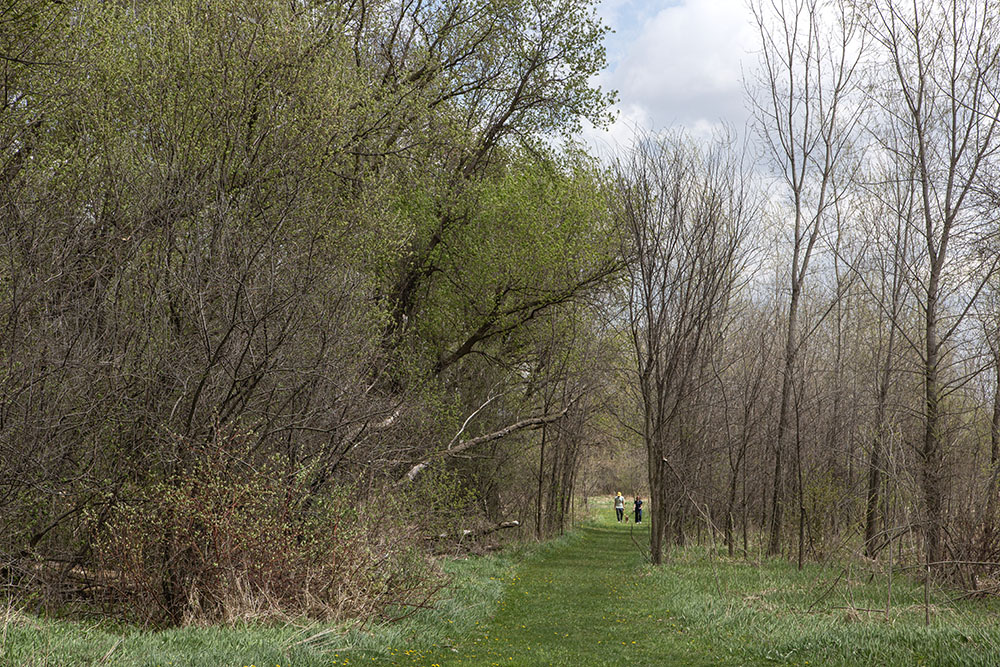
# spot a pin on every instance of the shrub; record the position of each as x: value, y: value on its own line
x: 223, y: 539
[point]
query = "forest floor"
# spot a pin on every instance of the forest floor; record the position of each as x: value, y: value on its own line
x: 588, y: 598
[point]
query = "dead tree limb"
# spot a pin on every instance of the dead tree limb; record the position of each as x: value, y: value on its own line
x: 530, y: 423
x: 474, y: 533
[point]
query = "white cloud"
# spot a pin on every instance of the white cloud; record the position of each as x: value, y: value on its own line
x: 679, y: 65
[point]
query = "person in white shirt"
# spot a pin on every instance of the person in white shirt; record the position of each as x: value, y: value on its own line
x: 619, y: 506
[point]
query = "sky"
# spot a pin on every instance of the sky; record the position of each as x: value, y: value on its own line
x: 676, y: 64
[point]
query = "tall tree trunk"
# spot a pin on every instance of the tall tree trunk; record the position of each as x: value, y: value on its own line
x: 733, y: 480
x: 931, y: 454
x: 554, y: 505
x: 784, y: 426
x: 730, y: 507
x: 874, y: 486
x: 995, y: 431
x: 657, y: 505
x: 801, y: 491
x: 875, y: 460
x: 989, y: 524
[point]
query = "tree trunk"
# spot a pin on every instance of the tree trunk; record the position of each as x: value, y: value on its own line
x: 801, y: 493
x: 657, y: 507
x: 730, y: 506
x: 931, y: 454
x: 989, y: 524
x: 538, y: 499
x: 784, y: 427
x: 875, y: 462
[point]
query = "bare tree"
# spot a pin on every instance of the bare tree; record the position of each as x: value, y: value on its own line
x: 741, y: 378
x: 808, y: 66
x: 684, y: 212
x: 888, y: 266
x: 940, y: 58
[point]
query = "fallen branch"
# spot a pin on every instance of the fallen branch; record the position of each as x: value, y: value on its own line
x: 865, y: 609
x: 530, y: 423
x: 111, y: 650
x: 935, y: 563
x: 474, y: 533
x: 642, y: 550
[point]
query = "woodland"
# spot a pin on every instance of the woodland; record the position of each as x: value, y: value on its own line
x: 296, y: 293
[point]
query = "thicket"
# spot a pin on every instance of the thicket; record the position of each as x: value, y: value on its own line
x: 226, y: 539
x: 261, y: 258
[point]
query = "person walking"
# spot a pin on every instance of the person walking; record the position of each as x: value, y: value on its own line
x: 620, y: 506
x: 638, y: 509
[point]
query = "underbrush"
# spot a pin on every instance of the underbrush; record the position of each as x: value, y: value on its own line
x: 222, y: 540
x: 233, y: 559
x: 700, y: 607
x: 471, y: 596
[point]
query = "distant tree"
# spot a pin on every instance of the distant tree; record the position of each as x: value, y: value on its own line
x: 684, y: 212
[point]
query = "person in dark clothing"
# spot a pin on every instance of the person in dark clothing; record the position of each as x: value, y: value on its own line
x: 638, y: 509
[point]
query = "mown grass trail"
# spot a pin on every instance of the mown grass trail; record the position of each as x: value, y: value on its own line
x: 591, y: 599
x: 586, y: 601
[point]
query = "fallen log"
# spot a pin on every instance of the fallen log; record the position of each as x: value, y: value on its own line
x: 474, y: 533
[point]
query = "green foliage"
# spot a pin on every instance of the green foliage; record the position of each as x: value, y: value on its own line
x: 535, y: 238
x: 441, y: 502
x: 821, y: 496
x: 210, y: 213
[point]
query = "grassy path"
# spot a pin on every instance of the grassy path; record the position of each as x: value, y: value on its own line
x: 591, y: 599
x: 583, y: 602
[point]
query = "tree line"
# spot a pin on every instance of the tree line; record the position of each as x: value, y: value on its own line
x: 825, y: 373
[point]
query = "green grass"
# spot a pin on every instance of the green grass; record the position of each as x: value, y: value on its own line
x: 592, y: 600
x: 585, y: 599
